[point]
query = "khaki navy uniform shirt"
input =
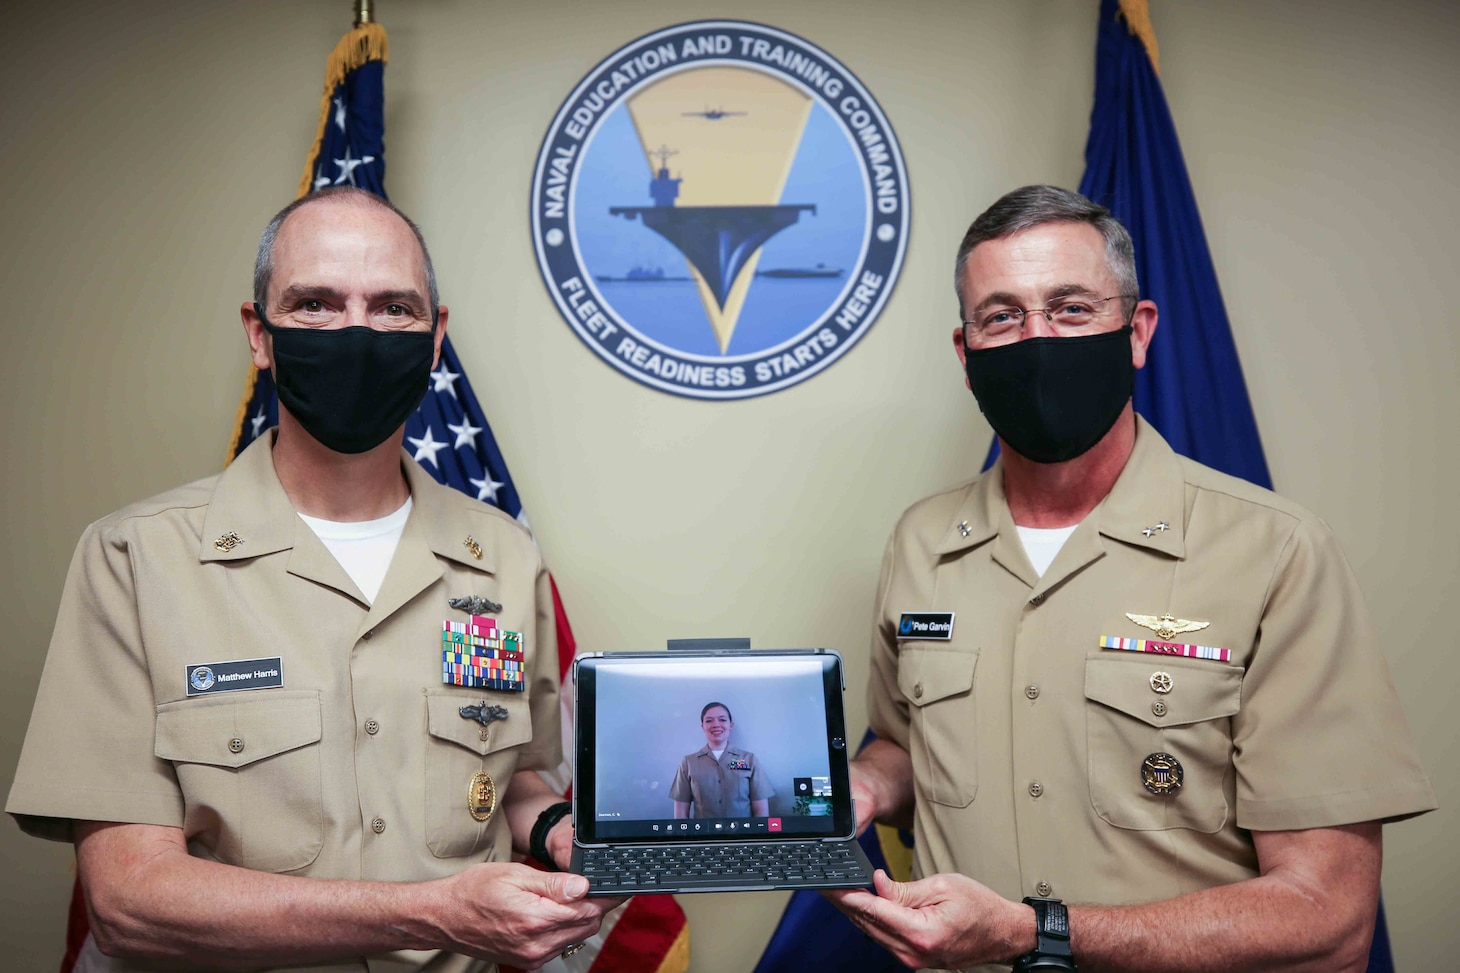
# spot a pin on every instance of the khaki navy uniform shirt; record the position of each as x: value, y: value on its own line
x: 358, y: 766
x: 1027, y: 738
x: 720, y: 788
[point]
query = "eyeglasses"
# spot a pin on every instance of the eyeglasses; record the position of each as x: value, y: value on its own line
x: 1067, y: 318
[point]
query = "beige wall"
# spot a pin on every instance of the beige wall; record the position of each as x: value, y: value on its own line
x: 143, y: 145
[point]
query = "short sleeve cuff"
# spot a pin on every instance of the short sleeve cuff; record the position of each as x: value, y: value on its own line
x: 1392, y: 802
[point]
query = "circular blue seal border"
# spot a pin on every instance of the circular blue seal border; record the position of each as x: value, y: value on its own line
x: 722, y: 43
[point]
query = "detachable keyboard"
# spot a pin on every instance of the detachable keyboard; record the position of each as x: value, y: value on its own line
x: 640, y: 869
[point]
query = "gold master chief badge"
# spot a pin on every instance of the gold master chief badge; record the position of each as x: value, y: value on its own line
x: 1167, y: 625
x: 1162, y: 774
x: 481, y: 796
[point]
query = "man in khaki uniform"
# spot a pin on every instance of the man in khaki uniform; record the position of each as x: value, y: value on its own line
x: 347, y: 812
x: 718, y: 780
x: 1108, y: 675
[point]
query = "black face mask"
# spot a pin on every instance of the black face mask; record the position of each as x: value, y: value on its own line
x: 350, y: 388
x: 1051, y: 399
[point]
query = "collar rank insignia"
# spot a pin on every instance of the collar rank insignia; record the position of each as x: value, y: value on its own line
x: 472, y: 547
x: 1160, y: 528
x: 475, y: 605
x: 228, y: 542
x: 1167, y: 625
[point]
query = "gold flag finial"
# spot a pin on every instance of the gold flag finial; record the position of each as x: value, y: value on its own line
x: 363, y: 13
x: 1138, y: 20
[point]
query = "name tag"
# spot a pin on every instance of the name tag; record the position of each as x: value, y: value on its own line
x: 936, y: 626
x: 231, y: 677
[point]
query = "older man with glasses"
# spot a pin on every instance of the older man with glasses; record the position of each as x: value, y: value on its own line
x: 1141, y: 696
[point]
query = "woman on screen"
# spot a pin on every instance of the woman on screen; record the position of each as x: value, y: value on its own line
x: 718, y: 780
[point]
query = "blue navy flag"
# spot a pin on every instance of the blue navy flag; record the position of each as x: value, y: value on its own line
x: 1191, y: 389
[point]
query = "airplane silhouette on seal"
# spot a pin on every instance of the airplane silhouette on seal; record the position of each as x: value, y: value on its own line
x: 712, y: 114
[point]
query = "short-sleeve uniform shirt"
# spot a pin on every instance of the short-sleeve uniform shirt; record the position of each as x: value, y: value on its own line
x: 360, y: 765
x: 721, y: 788
x: 1030, y: 740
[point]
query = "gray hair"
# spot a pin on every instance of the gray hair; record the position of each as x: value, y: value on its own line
x: 1033, y: 206
x: 263, y: 266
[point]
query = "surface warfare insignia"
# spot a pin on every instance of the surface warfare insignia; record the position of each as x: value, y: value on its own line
x: 483, y: 713
x: 1167, y: 625
x: 475, y: 605
x: 481, y: 796
x: 1162, y: 774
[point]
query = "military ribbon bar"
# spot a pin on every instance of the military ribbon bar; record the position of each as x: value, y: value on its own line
x: 1166, y: 648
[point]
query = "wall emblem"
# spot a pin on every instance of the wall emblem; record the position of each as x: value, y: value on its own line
x: 720, y: 210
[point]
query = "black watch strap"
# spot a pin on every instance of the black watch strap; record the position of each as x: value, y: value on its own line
x: 1052, y: 938
x: 537, y: 844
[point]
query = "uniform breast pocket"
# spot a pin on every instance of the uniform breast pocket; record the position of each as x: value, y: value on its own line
x: 1141, y: 707
x: 249, y: 768
x: 938, y: 682
x: 459, y: 748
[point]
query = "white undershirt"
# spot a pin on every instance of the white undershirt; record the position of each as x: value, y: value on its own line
x: 718, y: 752
x: 364, y: 548
x: 1041, y: 544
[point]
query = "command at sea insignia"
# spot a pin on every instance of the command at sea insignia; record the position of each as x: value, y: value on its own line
x: 481, y: 796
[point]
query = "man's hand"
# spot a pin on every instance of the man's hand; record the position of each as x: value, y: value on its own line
x: 863, y: 797
x: 881, y: 783
x: 942, y: 922
x: 520, y: 916
x: 559, y: 843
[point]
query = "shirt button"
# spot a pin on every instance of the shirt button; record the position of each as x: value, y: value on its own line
x: 918, y: 691
x: 1159, y: 708
x: 235, y: 745
x: 1035, y: 788
x: 1032, y: 690
x: 378, y: 825
x: 1037, y: 600
x: 372, y: 727
x: 1044, y: 889
x: 367, y: 635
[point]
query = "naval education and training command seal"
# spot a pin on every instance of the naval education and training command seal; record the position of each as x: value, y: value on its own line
x: 720, y: 210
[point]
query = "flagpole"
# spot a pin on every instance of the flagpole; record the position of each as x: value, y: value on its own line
x: 363, y: 12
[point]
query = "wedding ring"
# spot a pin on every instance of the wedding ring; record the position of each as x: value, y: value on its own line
x: 571, y: 950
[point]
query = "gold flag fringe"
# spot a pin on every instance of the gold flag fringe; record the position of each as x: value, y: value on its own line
x: 366, y: 42
x: 1138, y: 20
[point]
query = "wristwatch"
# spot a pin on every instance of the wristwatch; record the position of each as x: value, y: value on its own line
x: 537, y: 841
x: 1052, y: 943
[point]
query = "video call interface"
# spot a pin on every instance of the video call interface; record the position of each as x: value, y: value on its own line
x: 656, y: 743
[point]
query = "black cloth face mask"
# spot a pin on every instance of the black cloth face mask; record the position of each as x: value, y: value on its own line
x: 351, y: 388
x: 1052, y: 399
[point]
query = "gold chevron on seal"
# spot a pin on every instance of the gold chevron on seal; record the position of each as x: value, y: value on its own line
x: 1167, y: 625
x: 743, y: 161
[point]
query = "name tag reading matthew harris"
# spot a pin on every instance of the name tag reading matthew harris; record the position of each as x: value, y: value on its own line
x: 235, y: 676
x: 936, y: 626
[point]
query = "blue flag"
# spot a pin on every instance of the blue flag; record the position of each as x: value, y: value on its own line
x: 1191, y: 389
